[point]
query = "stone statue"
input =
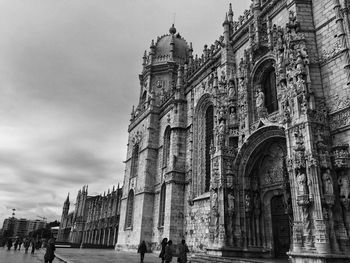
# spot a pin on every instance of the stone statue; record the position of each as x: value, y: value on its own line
x: 231, y: 202
x: 327, y: 182
x: 248, y: 203
x: 231, y: 91
x: 301, y: 180
x: 260, y: 99
x: 344, y: 183
x: 221, y: 132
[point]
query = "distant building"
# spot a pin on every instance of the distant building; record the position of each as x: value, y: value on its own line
x: 35, y: 224
x: 95, y: 219
x: 22, y: 227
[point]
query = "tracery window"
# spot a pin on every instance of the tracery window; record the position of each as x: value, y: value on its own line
x: 269, y: 86
x: 129, y: 210
x: 202, y: 140
x: 134, y: 161
x: 209, y: 136
x: 166, y: 146
x: 162, y: 205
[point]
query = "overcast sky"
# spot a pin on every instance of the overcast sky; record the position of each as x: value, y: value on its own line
x: 68, y: 80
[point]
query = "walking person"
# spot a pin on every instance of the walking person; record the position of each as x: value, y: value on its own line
x: 26, y: 245
x: 32, y: 242
x: 168, y: 255
x: 19, y: 244
x: 162, y: 251
x: 50, y: 251
x: 16, y: 244
x: 142, y: 250
x: 9, y: 244
x: 183, y: 250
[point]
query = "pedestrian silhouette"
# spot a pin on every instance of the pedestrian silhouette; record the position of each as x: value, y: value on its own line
x: 142, y: 250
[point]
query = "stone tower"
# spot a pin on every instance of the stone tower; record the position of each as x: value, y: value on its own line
x: 155, y: 158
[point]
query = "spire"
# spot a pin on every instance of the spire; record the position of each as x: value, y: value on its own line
x: 226, y: 20
x: 67, y: 199
x: 230, y: 14
x: 118, y: 186
x: 113, y: 189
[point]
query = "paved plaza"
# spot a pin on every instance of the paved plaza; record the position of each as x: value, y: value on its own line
x: 12, y: 256
x: 75, y: 255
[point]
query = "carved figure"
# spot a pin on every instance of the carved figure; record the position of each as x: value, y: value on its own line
x: 221, y: 132
x: 301, y: 180
x: 260, y: 99
x: 327, y: 182
x: 231, y: 202
x: 248, y: 203
x: 344, y: 183
x: 231, y: 91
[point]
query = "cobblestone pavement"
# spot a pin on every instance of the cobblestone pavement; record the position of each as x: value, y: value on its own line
x: 12, y: 256
x: 76, y: 255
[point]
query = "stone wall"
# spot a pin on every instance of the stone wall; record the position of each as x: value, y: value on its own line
x: 197, y: 220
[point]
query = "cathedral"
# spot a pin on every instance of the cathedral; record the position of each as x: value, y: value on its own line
x: 243, y: 151
x: 94, y: 221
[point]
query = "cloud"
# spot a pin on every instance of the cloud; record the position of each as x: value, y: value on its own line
x: 68, y: 80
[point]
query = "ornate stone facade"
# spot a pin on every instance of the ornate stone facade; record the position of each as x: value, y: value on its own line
x: 94, y: 221
x: 259, y: 134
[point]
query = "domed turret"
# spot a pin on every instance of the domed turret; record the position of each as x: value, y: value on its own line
x: 172, y: 45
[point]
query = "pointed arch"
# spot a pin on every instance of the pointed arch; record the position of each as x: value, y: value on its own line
x: 203, y: 137
x: 166, y: 146
x: 129, y: 210
x: 264, y: 77
x: 162, y: 205
x: 134, y: 161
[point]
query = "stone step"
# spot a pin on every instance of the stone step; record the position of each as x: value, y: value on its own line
x: 216, y: 259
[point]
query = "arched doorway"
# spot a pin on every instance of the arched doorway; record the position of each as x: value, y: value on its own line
x: 266, y: 202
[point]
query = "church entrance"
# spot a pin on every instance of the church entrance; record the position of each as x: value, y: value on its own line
x: 267, y: 197
x: 280, y: 227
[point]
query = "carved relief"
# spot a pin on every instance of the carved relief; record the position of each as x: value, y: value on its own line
x: 344, y: 185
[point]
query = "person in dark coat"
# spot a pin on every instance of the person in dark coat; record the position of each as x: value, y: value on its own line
x: 26, y: 245
x: 33, y: 243
x: 50, y: 251
x: 142, y: 250
x: 183, y: 250
x: 16, y: 244
x: 9, y: 244
x: 168, y: 255
x: 162, y: 251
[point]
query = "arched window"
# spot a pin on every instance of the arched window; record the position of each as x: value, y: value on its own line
x: 209, y: 136
x: 166, y: 147
x: 134, y: 161
x: 203, y: 125
x: 269, y: 87
x: 129, y: 210
x: 162, y: 205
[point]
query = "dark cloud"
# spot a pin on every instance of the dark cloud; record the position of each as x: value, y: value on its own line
x: 68, y: 79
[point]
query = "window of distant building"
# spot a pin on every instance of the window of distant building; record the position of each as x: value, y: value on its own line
x: 129, y: 210
x: 162, y: 205
x: 166, y: 146
x: 134, y: 161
